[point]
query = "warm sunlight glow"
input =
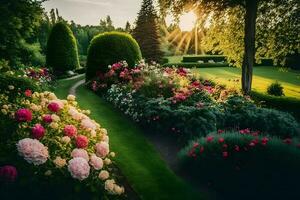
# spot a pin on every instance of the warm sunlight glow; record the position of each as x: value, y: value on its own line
x: 187, y: 21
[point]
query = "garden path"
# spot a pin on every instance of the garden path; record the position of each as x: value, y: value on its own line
x: 145, y: 169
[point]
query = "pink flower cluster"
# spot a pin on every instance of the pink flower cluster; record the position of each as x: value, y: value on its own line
x: 79, y: 168
x: 8, y: 173
x: 23, y: 115
x: 32, y: 151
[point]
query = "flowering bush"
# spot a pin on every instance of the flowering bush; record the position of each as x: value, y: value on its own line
x: 177, y: 101
x: 233, y: 162
x: 59, y: 138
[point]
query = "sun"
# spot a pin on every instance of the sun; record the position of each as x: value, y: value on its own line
x: 187, y: 21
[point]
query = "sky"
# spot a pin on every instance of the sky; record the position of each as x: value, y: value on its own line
x: 89, y: 12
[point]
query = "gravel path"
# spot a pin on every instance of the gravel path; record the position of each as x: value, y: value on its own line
x: 75, y: 86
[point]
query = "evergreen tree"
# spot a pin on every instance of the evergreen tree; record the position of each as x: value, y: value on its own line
x: 146, y: 32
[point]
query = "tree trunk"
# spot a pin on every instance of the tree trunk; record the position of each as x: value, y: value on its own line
x: 249, y: 43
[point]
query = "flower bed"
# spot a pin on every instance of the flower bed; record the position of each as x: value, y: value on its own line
x: 55, y: 139
x: 243, y: 161
x: 175, y: 101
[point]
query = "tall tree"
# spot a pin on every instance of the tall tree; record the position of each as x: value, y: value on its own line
x: 250, y: 10
x: 128, y: 27
x: 146, y: 32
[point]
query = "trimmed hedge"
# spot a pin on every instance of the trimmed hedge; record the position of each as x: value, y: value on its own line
x: 204, y: 58
x: 111, y: 47
x: 197, y: 65
x: 62, y: 53
x: 288, y: 104
x: 243, y: 166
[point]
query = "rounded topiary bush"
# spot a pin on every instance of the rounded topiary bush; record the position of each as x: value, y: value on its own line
x: 62, y: 52
x: 108, y: 48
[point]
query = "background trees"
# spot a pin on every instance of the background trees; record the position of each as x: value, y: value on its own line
x: 19, y: 20
x: 233, y: 30
x: 146, y: 32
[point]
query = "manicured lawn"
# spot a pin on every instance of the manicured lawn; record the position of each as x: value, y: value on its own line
x: 142, y: 165
x: 262, y: 78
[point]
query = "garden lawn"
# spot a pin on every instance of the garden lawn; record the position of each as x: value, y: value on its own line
x: 142, y: 165
x: 262, y: 78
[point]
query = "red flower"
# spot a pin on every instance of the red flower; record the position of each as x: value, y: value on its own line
x: 54, y: 107
x: 195, y: 145
x: 221, y: 140
x: 209, y: 138
x: 252, y: 144
x: 38, y: 131
x: 237, y: 148
x: 28, y: 93
x: 47, y: 118
x: 245, y: 131
x: 70, y: 130
x: 220, y: 131
x: 287, y: 140
x: 201, y: 149
x: 23, y: 115
x: 225, y: 146
x: 225, y: 154
x: 8, y: 173
x: 264, y: 141
x: 82, y: 141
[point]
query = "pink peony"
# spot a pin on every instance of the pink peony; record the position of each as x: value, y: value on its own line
x: 80, y: 153
x: 79, y: 168
x: 47, y: 119
x: 82, y: 141
x: 54, y: 107
x: 8, y: 173
x: 70, y: 130
x: 38, y: 131
x: 96, y: 162
x: 102, y: 149
x: 33, y: 151
x: 24, y: 115
x: 88, y: 124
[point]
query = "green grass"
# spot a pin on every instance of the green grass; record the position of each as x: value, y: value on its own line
x: 142, y: 165
x: 262, y: 78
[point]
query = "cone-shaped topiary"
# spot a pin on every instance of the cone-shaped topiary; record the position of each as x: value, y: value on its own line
x: 62, y: 53
x: 108, y: 48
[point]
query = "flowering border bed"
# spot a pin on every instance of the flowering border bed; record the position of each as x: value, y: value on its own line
x: 56, y: 139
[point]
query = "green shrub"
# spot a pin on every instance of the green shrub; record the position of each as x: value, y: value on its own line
x: 275, y: 89
x: 108, y: 48
x: 242, y: 113
x: 18, y: 83
x: 287, y: 104
x: 197, y: 65
x: 204, y: 58
x: 62, y: 53
x: 244, y: 165
x: 4, y: 65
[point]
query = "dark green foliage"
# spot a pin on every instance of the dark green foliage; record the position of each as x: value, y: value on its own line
x: 108, y: 48
x: 62, y: 53
x: 288, y: 104
x: 242, y: 113
x: 204, y: 58
x: 18, y: 22
x: 197, y: 65
x: 18, y: 83
x: 248, y: 172
x: 275, y: 89
x: 146, y: 32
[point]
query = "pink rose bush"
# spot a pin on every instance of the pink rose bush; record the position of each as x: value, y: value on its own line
x: 56, y: 135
